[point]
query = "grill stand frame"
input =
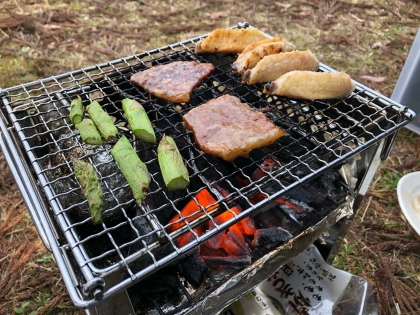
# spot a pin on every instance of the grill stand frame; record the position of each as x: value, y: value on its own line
x: 51, y: 239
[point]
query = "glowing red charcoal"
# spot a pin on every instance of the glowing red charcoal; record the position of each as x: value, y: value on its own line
x: 246, y: 225
x: 189, y: 237
x: 217, y: 241
x: 192, y: 210
x: 235, y: 243
x: 231, y: 239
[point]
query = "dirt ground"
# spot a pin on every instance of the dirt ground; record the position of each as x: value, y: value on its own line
x: 369, y: 40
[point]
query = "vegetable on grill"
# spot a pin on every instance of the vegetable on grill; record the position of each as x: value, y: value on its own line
x: 133, y: 169
x: 91, y: 187
x: 88, y: 132
x: 139, y: 121
x: 174, y: 172
x: 102, y: 120
x: 76, y: 111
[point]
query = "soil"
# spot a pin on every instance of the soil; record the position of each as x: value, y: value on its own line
x: 370, y: 40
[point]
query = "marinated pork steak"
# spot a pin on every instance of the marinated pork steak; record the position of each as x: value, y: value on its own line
x: 174, y: 81
x: 227, y: 128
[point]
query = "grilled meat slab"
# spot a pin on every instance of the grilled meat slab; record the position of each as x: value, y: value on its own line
x: 254, y: 52
x: 227, y: 128
x: 312, y: 85
x: 230, y: 41
x: 174, y: 81
x: 273, y: 66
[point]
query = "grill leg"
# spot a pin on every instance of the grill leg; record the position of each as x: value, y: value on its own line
x: 339, y: 230
x: 118, y: 304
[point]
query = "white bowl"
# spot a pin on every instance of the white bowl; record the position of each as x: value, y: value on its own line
x: 408, y: 191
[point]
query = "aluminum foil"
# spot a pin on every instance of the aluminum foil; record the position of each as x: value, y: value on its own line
x: 266, y: 266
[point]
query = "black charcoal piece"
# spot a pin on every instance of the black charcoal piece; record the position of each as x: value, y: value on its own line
x: 144, y: 229
x: 192, y: 267
x: 161, y: 285
x: 268, y: 236
x: 303, y: 215
x: 113, y: 182
x: 165, y: 280
x: 146, y: 236
x: 325, y: 183
x: 306, y: 196
x: 236, y: 262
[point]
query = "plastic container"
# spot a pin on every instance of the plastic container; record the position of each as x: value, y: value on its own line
x: 408, y: 192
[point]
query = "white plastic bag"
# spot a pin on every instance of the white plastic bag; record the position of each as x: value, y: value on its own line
x: 309, y: 286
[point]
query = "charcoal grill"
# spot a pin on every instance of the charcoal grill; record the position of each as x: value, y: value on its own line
x: 99, y: 263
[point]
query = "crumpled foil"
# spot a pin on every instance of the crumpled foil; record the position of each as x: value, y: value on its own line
x: 266, y: 266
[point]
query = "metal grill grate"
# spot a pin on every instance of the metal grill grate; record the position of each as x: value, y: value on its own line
x: 321, y: 135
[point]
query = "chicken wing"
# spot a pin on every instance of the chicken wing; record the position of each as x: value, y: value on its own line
x: 254, y: 52
x: 229, y: 41
x: 312, y: 85
x: 273, y: 66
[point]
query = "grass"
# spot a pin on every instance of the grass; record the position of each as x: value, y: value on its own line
x: 342, y: 261
x: 22, y: 308
x: 363, y: 38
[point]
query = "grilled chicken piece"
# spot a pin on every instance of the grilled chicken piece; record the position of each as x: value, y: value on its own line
x: 312, y: 85
x: 227, y: 128
x: 230, y: 41
x: 174, y: 81
x: 258, y: 50
x: 273, y: 66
